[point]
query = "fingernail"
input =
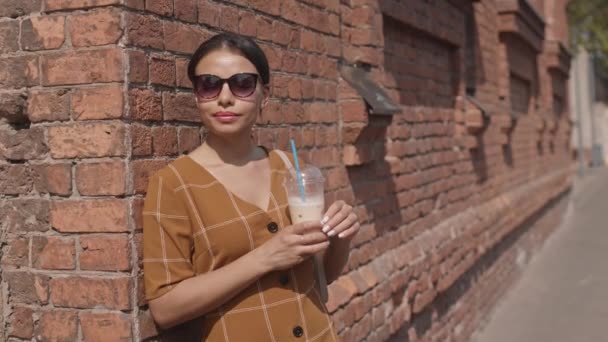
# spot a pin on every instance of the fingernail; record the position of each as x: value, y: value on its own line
x: 341, y: 235
x: 325, y: 228
x: 331, y: 233
x: 324, y: 220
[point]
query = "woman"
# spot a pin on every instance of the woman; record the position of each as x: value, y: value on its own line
x: 218, y: 240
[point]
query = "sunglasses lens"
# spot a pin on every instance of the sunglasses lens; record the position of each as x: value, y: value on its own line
x: 243, y: 85
x: 208, y: 86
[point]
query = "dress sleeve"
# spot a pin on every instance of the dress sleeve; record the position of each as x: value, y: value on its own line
x: 167, y: 239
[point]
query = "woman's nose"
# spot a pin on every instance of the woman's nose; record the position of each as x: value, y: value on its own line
x: 225, y: 98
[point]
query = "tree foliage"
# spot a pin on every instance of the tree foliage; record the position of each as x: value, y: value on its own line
x: 589, y: 28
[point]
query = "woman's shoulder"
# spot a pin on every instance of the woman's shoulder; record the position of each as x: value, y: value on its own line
x: 174, y: 173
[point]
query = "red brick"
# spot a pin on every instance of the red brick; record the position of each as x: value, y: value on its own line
x: 25, y: 215
x: 138, y: 67
x: 96, y: 28
x: 18, y: 8
x: 78, y: 67
x: 264, y: 28
x: 164, y: 141
x: 189, y: 138
x: 105, y: 253
x: 43, y: 33
x: 101, y: 179
x: 48, y: 105
x: 21, y: 323
x: 160, y: 7
x: 135, y: 4
x: 53, y: 253
x: 18, y: 72
x: 57, y: 325
x: 181, y: 70
x: 9, y: 36
x: 144, y: 31
x: 16, y: 179
x: 100, y: 327
x: 185, y: 10
x: 145, y: 104
x: 55, y: 179
x: 147, y: 326
x: 98, y: 103
x: 52, y: 5
x: 87, y: 140
x: 16, y: 252
x: 183, y: 38
x: 88, y: 293
x: 162, y: 71
x: 137, y: 208
x: 142, y: 170
x: 208, y: 13
x: 247, y: 23
x: 26, y: 287
x: 22, y: 144
x: 229, y: 20
x: 14, y: 107
x: 90, y: 216
x: 141, y: 140
x: 180, y: 107
x: 353, y: 111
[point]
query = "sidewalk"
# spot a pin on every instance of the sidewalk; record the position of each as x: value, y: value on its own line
x: 562, y: 296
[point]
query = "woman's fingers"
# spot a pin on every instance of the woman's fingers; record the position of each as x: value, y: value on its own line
x: 350, y: 220
x: 332, y: 211
x: 313, y: 249
x: 350, y: 232
x: 337, y: 218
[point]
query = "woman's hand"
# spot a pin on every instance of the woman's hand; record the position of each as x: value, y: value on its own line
x: 340, y: 221
x: 291, y: 246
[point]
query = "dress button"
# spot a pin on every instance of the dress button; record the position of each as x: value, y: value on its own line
x: 284, y: 279
x: 298, y: 331
x: 273, y: 227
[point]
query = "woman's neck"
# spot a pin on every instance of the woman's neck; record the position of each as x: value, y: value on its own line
x: 237, y: 150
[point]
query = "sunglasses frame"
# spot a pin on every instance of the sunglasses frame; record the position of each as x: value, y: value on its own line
x: 222, y: 81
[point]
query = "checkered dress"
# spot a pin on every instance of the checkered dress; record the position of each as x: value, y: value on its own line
x: 193, y: 225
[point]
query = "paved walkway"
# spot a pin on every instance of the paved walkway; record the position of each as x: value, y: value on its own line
x: 562, y: 295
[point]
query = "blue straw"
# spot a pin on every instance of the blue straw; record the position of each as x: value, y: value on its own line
x: 295, y: 158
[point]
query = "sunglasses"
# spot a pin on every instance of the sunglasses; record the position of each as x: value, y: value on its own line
x: 210, y: 86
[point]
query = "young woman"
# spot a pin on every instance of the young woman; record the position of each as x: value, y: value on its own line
x: 218, y: 239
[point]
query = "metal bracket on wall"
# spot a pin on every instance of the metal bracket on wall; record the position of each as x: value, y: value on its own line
x: 379, y: 102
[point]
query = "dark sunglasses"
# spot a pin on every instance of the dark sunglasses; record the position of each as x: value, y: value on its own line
x: 209, y: 86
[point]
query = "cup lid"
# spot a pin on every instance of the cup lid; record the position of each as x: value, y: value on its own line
x: 310, y: 174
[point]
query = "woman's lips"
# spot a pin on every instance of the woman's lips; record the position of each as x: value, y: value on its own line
x: 226, y: 117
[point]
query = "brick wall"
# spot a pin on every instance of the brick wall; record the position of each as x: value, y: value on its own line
x: 451, y: 192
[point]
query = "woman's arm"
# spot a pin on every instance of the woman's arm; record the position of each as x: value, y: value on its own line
x: 199, y: 295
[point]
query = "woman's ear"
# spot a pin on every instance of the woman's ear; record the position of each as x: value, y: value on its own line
x: 265, y: 95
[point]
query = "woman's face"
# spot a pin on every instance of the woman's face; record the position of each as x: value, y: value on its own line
x: 227, y: 114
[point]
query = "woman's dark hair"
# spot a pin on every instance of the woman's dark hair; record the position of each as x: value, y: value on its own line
x: 246, y: 46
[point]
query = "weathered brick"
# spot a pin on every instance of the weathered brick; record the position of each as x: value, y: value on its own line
x: 9, y: 36
x: 183, y: 38
x: 18, y: 8
x: 13, y: 108
x: 141, y: 140
x: 88, y: 293
x: 138, y: 67
x: 181, y: 71
x: 208, y: 13
x: 229, y: 20
x: 16, y: 252
x: 145, y: 104
x: 16, y: 179
x: 101, y: 179
x: 147, y: 326
x: 99, y: 327
x: 247, y: 23
x: 162, y: 71
x: 25, y: 215
x: 27, y: 288
x: 97, y: 103
x: 180, y: 107
x: 52, y: 5
x: 185, y: 10
x: 87, y: 140
x: 160, y: 7
x: 58, y: 325
x: 189, y: 138
x: 55, y: 179
x: 78, y: 67
x: 164, y: 141
x: 18, y: 72
x: 95, y: 28
x: 47, y: 105
x: 21, y: 323
x: 53, y: 253
x: 43, y: 33
x: 90, y: 216
x: 105, y: 253
x: 144, y: 31
x: 22, y: 144
x: 142, y: 170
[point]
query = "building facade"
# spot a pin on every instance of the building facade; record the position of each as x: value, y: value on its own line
x: 455, y: 191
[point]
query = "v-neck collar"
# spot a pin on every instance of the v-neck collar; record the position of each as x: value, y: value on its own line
x: 271, y: 162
